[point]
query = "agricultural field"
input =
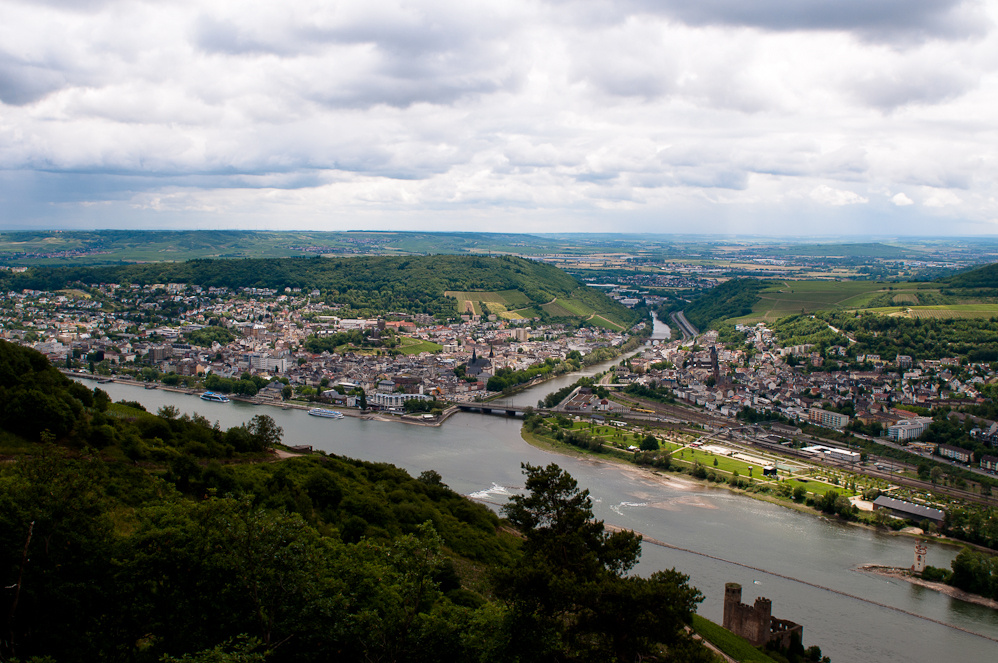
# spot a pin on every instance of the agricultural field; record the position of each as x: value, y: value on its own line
x: 604, y: 323
x: 574, y: 307
x: 555, y: 309
x: 498, y: 302
x: 942, y: 311
x: 785, y: 298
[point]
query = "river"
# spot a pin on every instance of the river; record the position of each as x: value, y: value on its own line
x: 480, y: 455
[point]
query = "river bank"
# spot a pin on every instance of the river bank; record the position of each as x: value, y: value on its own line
x: 908, y: 576
x: 686, y: 482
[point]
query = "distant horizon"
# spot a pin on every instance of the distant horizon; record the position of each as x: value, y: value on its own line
x: 822, y: 239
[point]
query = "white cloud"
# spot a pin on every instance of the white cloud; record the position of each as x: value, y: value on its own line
x: 826, y: 195
x: 942, y: 199
x: 622, y: 113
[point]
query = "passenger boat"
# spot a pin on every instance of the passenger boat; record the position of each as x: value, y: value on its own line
x: 329, y: 414
x: 214, y: 398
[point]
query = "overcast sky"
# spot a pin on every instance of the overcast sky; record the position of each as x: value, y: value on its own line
x: 748, y: 116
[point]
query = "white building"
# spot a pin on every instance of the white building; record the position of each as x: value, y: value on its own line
x: 395, y: 401
x: 908, y: 429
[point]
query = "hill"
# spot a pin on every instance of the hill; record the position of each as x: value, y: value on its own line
x: 124, y: 537
x: 370, y: 285
x: 106, y: 247
x: 731, y: 299
x: 971, y: 294
x: 981, y: 278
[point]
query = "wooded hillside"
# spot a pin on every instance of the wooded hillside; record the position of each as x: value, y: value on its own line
x: 376, y: 284
x: 132, y: 536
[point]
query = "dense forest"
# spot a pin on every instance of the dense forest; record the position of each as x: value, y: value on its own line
x: 973, y: 339
x: 731, y: 299
x: 371, y: 284
x: 132, y: 536
x: 977, y: 281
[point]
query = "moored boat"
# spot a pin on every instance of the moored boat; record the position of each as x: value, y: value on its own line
x: 214, y: 397
x: 329, y: 414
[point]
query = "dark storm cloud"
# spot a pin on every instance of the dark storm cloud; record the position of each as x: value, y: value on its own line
x: 25, y: 82
x: 872, y: 20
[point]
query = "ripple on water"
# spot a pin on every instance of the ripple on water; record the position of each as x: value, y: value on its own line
x: 494, y: 491
x: 619, y: 508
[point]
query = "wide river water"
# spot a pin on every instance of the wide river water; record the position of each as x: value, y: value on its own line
x: 722, y: 533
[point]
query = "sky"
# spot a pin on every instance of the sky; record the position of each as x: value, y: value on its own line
x: 771, y: 117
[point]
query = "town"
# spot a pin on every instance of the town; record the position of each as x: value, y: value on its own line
x: 265, y: 344
x: 123, y: 330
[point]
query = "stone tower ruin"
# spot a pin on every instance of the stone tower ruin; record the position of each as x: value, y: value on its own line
x: 756, y: 623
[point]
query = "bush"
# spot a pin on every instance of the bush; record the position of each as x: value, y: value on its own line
x: 935, y: 574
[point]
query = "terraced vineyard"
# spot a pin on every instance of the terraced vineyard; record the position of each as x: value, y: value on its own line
x: 783, y: 298
x: 515, y: 305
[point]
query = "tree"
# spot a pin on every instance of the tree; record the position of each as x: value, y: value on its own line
x: 650, y: 443
x: 266, y: 433
x: 935, y: 475
x: 569, y: 595
x: 168, y: 412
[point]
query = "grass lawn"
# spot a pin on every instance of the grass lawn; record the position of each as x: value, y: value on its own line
x: 819, y: 488
x: 413, y: 346
x: 734, y: 646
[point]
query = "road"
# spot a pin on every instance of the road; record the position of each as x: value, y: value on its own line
x: 688, y: 330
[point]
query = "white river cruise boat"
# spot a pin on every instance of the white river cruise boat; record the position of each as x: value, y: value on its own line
x: 329, y: 414
x: 214, y: 398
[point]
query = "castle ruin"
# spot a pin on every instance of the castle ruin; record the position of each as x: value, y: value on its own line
x: 756, y: 623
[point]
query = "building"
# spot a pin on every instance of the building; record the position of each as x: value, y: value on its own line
x: 827, y: 419
x: 908, y: 429
x: 989, y: 463
x: 395, y: 401
x: 756, y: 623
x: 907, y: 510
x: 920, y: 552
x: 956, y: 453
x: 479, y: 365
x: 833, y: 453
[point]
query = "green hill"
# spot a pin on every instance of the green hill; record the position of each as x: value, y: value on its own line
x: 979, y: 278
x: 369, y: 285
x: 132, y: 536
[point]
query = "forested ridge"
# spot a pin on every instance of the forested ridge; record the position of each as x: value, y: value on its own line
x: 132, y: 536
x: 369, y: 283
x: 729, y: 300
x: 983, y: 278
x: 972, y: 339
